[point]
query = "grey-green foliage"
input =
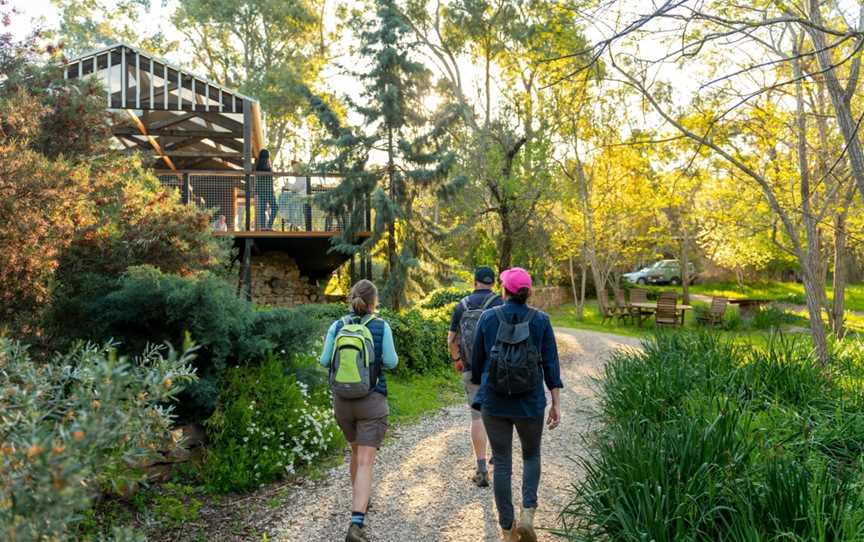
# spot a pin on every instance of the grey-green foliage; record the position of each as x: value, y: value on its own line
x: 75, y: 425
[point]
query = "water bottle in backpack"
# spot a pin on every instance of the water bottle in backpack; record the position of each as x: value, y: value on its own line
x: 514, y: 362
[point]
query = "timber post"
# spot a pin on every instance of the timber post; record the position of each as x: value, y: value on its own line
x: 246, y: 270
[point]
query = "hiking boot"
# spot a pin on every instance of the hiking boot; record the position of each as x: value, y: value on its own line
x: 524, y: 531
x: 356, y: 534
x: 507, y: 535
x: 481, y: 479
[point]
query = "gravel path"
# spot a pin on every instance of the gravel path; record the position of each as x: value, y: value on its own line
x: 422, y: 489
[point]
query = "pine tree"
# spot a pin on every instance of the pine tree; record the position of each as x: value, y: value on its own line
x: 417, y: 165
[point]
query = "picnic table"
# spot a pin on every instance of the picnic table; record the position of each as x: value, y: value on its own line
x: 648, y: 308
x: 747, y: 307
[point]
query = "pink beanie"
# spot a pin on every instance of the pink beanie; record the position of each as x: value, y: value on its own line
x: 515, y: 278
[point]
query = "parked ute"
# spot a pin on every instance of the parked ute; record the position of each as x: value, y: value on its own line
x: 662, y: 272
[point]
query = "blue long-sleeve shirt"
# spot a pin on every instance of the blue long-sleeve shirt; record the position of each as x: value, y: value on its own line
x: 385, y: 349
x: 532, y: 404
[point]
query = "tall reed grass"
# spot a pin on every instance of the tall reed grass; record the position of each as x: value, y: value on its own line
x: 708, y: 440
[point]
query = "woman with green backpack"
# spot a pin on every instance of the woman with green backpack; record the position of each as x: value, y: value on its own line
x: 358, y: 347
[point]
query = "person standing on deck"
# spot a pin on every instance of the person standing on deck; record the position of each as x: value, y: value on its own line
x: 514, y: 354
x: 265, y: 198
x: 358, y: 347
x: 460, y: 340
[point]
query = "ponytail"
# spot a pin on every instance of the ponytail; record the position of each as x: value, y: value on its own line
x: 362, y: 297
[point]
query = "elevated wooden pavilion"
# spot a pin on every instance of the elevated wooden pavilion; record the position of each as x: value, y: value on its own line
x: 202, y: 139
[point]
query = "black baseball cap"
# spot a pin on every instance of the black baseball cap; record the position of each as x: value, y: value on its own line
x: 484, y: 275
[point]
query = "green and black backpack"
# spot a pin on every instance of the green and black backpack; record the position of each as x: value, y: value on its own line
x: 353, y: 370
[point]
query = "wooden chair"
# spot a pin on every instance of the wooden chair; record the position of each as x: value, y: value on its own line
x: 623, y: 308
x: 637, y: 295
x: 715, y: 314
x: 667, y: 311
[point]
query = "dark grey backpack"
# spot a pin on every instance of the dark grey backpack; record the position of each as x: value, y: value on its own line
x: 468, y: 328
x: 514, y: 362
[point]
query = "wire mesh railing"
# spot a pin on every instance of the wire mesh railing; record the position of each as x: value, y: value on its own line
x: 278, y: 202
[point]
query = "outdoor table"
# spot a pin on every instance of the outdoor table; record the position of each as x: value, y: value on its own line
x: 748, y: 307
x: 650, y: 307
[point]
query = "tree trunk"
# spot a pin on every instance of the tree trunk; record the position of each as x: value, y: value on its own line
x: 580, y: 312
x: 838, y: 303
x: 391, y: 227
x: 684, y: 264
x: 573, y: 282
x: 840, y: 98
x: 591, y: 242
x: 814, y: 310
x: 808, y: 257
x: 505, y: 246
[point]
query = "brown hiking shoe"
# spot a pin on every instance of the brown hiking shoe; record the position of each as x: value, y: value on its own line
x: 356, y: 534
x: 481, y: 479
x: 524, y: 531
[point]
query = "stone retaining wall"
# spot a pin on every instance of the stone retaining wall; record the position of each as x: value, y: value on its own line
x: 276, y: 281
x: 547, y: 297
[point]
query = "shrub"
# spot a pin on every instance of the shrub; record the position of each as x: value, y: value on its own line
x: 705, y: 439
x: 443, y: 297
x: 268, y: 423
x: 73, y: 427
x: 421, y: 342
x: 146, y: 306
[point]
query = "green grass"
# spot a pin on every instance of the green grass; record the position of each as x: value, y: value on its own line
x: 411, y: 397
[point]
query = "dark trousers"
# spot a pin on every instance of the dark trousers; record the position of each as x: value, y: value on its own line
x: 265, y: 197
x: 500, y: 433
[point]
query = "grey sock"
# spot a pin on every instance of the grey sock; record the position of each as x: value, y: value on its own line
x: 481, y: 465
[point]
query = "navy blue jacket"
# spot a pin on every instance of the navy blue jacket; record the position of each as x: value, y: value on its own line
x: 532, y: 404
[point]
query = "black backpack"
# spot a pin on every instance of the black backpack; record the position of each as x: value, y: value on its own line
x: 468, y: 327
x: 514, y: 367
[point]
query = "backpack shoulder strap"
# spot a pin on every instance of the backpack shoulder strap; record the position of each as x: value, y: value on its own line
x: 347, y: 320
x: 368, y: 318
x: 499, y: 312
x: 464, y: 303
x: 489, y: 300
x: 530, y: 316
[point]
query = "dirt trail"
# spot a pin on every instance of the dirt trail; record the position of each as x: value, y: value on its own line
x: 423, y: 491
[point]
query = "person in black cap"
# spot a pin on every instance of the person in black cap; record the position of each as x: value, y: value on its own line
x: 460, y: 341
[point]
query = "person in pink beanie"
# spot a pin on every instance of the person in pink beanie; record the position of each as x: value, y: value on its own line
x: 514, y: 355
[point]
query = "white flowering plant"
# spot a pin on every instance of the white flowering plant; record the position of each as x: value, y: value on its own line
x: 76, y: 425
x: 268, y: 424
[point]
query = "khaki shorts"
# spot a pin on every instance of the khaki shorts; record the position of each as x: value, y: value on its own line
x: 470, y: 393
x: 363, y: 421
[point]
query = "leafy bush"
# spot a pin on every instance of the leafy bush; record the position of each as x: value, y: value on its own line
x: 72, y: 427
x: 148, y: 306
x: 421, y: 340
x: 443, y: 297
x: 267, y: 425
x: 706, y: 439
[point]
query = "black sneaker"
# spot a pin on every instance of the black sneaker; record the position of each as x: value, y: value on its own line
x: 356, y: 534
x: 481, y: 479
